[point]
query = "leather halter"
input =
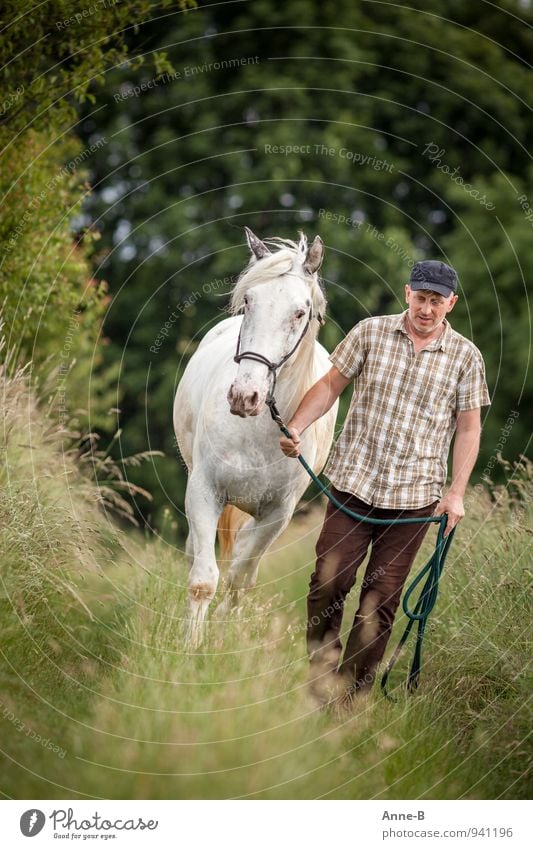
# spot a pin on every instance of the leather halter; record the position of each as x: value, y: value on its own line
x: 270, y: 401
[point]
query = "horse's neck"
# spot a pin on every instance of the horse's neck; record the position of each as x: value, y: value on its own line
x: 296, y: 377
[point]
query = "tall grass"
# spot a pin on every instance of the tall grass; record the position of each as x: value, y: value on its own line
x: 57, y: 603
x: 93, y: 658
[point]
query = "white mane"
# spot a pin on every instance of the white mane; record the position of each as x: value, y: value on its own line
x: 288, y: 256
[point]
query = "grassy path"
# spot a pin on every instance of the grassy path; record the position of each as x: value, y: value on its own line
x: 92, y: 661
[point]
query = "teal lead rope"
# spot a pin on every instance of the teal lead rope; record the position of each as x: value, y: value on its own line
x: 433, y: 569
x: 425, y: 604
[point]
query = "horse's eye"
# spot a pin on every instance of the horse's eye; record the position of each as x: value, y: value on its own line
x: 300, y: 313
x: 245, y: 300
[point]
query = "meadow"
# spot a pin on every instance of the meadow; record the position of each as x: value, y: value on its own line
x: 101, y: 699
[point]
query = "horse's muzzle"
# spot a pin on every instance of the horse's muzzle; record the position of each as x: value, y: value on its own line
x: 244, y: 402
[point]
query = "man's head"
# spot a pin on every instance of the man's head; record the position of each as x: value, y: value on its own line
x: 430, y: 294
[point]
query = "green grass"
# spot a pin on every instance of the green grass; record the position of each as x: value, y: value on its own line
x: 93, y: 659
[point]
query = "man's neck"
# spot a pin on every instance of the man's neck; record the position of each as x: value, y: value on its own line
x: 423, y: 339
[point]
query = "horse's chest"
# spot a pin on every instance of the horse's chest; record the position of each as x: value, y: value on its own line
x: 250, y: 481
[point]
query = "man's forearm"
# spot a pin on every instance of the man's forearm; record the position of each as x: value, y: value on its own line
x: 315, y: 403
x: 465, y: 451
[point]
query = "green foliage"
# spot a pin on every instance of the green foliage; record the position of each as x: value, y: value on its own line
x: 51, y: 307
x: 492, y: 262
x: 324, y: 117
x: 52, y: 55
x: 92, y: 620
x: 93, y: 644
x: 55, y: 543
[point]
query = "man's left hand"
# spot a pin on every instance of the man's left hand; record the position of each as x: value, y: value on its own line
x: 452, y: 505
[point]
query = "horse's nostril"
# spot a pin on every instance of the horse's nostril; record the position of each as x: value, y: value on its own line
x: 254, y: 399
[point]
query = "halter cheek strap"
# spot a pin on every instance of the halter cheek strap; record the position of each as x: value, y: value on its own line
x: 272, y: 367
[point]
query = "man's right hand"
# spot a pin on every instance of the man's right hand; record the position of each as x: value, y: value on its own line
x: 291, y: 447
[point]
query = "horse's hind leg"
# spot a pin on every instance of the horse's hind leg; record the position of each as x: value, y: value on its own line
x: 251, y: 543
x: 203, y: 510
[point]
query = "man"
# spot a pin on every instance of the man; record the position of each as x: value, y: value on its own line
x: 416, y: 382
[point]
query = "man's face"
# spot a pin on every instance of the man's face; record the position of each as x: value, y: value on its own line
x: 427, y: 309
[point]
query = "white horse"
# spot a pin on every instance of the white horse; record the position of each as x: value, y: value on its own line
x: 235, y: 466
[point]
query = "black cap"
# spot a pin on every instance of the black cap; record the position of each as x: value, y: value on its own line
x: 434, y: 276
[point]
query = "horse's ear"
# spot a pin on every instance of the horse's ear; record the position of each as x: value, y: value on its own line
x: 315, y: 255
x: 257, y: 247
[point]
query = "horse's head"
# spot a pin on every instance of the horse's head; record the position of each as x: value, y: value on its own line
x: 282, y: 305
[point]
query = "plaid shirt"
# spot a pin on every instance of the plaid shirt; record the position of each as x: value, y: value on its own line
x: 393, y: 449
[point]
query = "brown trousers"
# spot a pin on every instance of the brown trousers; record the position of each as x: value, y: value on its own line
x: 341, y: 548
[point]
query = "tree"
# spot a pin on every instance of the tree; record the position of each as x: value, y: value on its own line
x: 52, y: 55
x: 373, y: 124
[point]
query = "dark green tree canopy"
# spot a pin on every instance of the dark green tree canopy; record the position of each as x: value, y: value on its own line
x: 394, y: 132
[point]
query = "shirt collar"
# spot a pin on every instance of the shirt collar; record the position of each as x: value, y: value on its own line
x: 435, y: 344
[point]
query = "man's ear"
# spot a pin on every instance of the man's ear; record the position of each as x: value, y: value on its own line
x: 452, y: 303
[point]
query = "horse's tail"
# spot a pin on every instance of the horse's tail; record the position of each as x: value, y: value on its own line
x: 231, y: 519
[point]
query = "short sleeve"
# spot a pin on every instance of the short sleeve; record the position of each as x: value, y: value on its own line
x: 472, y: 390
x: 350, y: 354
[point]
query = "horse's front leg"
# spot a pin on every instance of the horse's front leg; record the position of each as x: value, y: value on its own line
x: 203, y: 510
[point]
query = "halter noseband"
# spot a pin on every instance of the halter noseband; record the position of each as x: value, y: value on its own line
x: 270, y: 401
